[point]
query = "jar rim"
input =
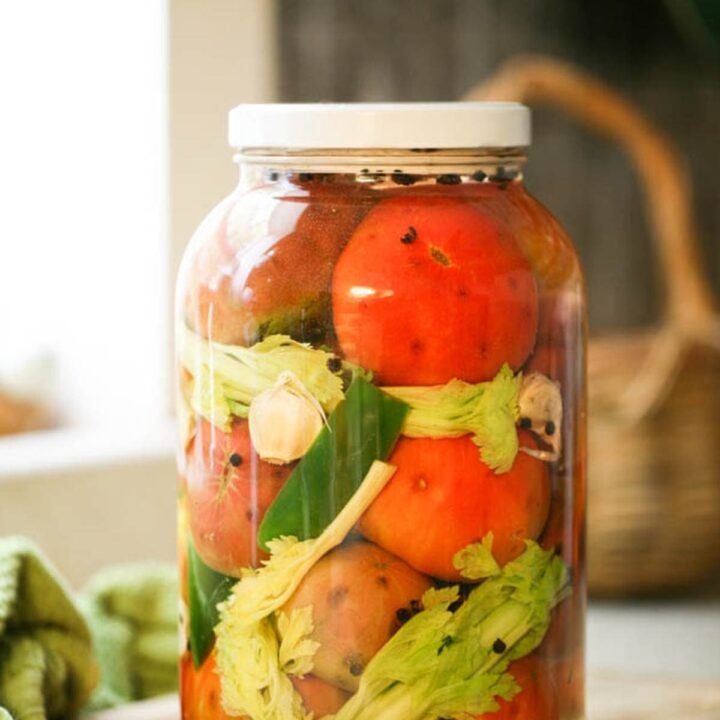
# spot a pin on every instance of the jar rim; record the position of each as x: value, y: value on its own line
x: 402, y: 126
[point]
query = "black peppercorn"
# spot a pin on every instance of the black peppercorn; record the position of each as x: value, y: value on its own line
x: 550, y: 427
x: 334, y: 364
x: 448, y: 179
x: 479, y: 175
x: 236, y: 460
x: 525, y: 423
x: 409, y: 236
x: 446, y: 642
x: 402, y: 178
x: 499, y: 647
x: 403, y: 614
x: 503, y: 175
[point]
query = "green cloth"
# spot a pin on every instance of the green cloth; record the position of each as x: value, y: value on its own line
x: 47, y: 667
x: 133, y: 615
x: 50, y: 653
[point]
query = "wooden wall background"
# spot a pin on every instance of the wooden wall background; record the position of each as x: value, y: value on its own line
x: 384, y: 50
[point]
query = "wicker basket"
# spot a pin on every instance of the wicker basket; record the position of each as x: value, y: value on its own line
x: 654, y: 415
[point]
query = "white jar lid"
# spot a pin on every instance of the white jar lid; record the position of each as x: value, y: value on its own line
x: 380, y: 125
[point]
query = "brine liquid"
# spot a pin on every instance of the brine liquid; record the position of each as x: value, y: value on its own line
x: 329, y: 321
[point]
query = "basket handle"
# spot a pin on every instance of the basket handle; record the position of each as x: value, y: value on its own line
x: 539, y: 80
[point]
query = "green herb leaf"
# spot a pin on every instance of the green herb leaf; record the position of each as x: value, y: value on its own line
x: 363, y: 428
x: 206, y: 588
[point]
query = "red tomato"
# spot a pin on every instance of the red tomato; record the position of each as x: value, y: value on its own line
x: 228, y: 490
x: 319, y: 697
x: 356, y: 591
x: 568, y: 685
x: 200, y: 690
x: 429, y: 289
x: 565, y: 638
x: 536, y: 700
x: 443, y: 497
x: 542, y: 238
x: 277, y: 279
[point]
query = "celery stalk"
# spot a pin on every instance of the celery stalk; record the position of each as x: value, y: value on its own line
x: 226, y: 378
x: 251, y: 659
x: 450, y: 665
x: 488, y: 411
x: 262, y: 591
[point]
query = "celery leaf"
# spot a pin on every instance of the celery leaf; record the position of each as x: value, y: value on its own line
x: 488, y: 411
x: 226, y: 378
x: 296, y: 648
x: 476, y: 561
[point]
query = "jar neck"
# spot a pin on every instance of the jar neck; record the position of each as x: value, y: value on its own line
x: 385, y: 166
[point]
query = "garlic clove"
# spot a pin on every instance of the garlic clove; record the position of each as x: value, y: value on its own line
x: 540, y: 405
x: 284, y: 420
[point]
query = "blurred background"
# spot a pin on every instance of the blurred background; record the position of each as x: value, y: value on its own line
x: 114, y: 148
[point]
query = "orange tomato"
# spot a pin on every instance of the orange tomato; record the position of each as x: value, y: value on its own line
x: 200, y: 690
x: 319, y: 697
x: 443, y: 497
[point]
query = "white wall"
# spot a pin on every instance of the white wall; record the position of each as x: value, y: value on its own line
x: 92, y: 498
x: 83, y: 188
x: 222, y: 53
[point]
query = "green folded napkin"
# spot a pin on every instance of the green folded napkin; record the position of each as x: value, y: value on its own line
x: 47, y: 667
x: 51, y: 644
x: 133, y: 615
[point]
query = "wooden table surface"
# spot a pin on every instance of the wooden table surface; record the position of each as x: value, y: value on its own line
x: 611, y: 696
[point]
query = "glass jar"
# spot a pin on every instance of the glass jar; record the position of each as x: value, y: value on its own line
x: 381, y: 390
